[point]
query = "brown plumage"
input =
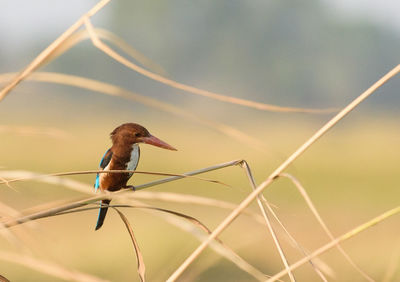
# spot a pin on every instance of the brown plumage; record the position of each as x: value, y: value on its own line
x: 123, y: 155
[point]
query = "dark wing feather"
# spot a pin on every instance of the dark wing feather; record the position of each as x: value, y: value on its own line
x: 106, y: 159
x: 102, y: 213
x: 103, y: 164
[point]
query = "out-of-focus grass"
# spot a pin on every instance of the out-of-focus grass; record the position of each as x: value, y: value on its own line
x: 351, y: 175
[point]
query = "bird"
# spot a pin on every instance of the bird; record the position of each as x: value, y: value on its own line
x: 124, y: 154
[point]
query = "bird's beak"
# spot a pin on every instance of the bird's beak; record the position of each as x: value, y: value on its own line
x: 152, y: 140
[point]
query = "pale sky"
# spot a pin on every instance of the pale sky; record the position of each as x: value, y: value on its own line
x: 22, y: 20
x: 385, y: 12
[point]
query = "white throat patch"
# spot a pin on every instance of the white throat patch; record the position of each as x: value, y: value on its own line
x: 133, y: 162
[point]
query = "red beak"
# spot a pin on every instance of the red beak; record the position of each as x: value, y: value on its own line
x: 152, y: 140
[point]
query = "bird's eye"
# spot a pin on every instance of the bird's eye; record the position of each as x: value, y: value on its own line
x: 137, y: 134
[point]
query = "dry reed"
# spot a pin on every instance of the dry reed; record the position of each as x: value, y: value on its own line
x: 71, y: 37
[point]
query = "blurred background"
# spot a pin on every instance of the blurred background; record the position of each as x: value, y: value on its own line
x: 317, y: 54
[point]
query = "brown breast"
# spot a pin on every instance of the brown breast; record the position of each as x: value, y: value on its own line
x: 115, y: 181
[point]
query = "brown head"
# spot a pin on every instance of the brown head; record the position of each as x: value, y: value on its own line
x: 133, y: 133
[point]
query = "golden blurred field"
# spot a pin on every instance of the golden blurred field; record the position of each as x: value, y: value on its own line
x: 223, y: 81
x: 350, y: 174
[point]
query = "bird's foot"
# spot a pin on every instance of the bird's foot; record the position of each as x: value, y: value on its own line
x: 130, y: 187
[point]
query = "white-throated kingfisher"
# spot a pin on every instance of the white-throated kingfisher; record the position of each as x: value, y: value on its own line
x: 123, y: 155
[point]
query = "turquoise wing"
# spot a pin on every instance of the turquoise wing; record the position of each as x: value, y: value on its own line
x: 103, y: 164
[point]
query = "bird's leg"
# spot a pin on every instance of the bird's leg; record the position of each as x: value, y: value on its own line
x: 129, y: 187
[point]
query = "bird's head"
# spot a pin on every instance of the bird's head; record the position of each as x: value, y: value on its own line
x: 133, y: 133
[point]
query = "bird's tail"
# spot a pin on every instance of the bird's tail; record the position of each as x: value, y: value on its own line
x: 102, y: 213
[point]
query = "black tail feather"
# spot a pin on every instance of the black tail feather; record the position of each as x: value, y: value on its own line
x: 102, y: 213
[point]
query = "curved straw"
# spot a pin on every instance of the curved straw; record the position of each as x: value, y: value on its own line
x: 318, y: 134
x: 338, y: 240
x: 113, y: 90
x: 38, y: 61
x: 197, y: 91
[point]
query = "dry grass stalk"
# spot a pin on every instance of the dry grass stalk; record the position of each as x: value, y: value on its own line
x: 216, y: 96
x: 49, y: 268
x: 229, y: 254
x: 144, y: 195
x: 113, y: 90
x: 271, y: 230
x: 34, y: 176
x: 70, y: 37
x: 47, y: 53
x: 81, y: 187
x: 141, y: 268
x: 7, y: 211
x: 81, y: 35
x: 393, y: 265
x: 231, y: 217
x: 310, y: 204
x: 261, y: 199
x: 219, y: 247
x: 31, y: 130
x: 190, y: 199
x: 37, y: 62
x: 64, y: 209
x: 338, y: 240
x: 107, y: 195
x: 23, y: 175
x: 317, y: 266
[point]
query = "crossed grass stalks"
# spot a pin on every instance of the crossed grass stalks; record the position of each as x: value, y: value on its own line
x: 73, y: 36
x: 122, y: 195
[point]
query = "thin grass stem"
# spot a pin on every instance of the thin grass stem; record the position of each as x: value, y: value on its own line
x: 311, y: 206
x: 197, y: 91
x: 107, y: 195
x: 235, y: 213
x: 253, y: 185
x: 338, y: 240
x: 37, y: 62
